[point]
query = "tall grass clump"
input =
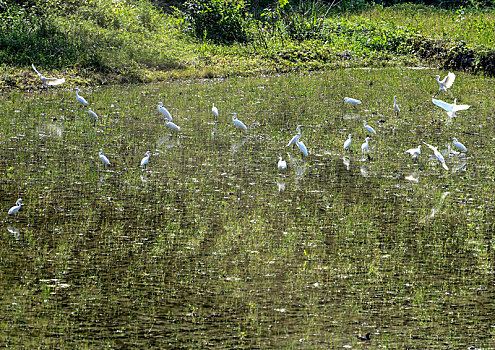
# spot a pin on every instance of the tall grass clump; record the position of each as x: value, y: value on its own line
x: 28, y: 35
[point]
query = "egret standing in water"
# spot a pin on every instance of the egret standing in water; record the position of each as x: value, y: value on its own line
x: 282, y: 164
x: 93, y: 115
x: 146, y: 158
x: 172, y: 126
x: 80, y: 99
x: 352, y: 101
x: 164, y: 111
x: 369, y: 128
x: 459, y: 145
x: 302, y: 147
x: 439, y: 155
x: 104, y: 159
x: 48, y: 81
x: 16, y: 207
x: 347, y: 142
x: 296, y: 137
x: 240, y: 125
x: 365, y: 145
x: 214, y: 110
x: 414, y: 152
x: 445, y: 83
x: 396, y: 106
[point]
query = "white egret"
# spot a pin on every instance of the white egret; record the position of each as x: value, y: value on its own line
x: 396, y: 106
x: 214, y: 110
x: 145, y: 160
x: 16, y: 207
x: 302, y: 147
x: 347, y: 142
x: 450, y: 108
x: 365, y: 145
x: 296, y: 137
x: 80, y: 98
x: 369, y: 128
x: 282, y: 164
x: 352, y: 101
x: 459, y: 145
x: 104, y: 159
x: 240, y: 125
x: 414, y: 152
x: 439, y: 155
x: 446, y: 82
x: 48, y: 81
x: 93, y: 115
x: 164, y: 111
x: 172, y: 126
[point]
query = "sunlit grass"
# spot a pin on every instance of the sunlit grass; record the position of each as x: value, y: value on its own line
x: 473, y: 26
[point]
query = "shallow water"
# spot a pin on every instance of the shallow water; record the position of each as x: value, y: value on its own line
x: 212, y: 246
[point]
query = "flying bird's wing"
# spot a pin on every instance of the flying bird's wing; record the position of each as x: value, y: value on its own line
x: 460, y: 108
x: 442, y: 104
x: 449, y: 80
x: 54, y: 81
x: 32, y: 65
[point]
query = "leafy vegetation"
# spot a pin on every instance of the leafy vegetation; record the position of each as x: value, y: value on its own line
x: 140, y: 41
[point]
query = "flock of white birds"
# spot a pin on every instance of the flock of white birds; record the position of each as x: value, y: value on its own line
x: 444, y: 84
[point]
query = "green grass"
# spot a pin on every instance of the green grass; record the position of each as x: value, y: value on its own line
x: 119, y: 42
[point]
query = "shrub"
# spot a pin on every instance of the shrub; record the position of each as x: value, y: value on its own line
x: 222, y: 21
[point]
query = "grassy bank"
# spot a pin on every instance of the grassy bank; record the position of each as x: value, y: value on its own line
x: 108, y: 42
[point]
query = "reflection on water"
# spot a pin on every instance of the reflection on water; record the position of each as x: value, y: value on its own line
x: 237, y: 145
x: 414, y: 177
x: 15, y: 232
x: 346, y: 162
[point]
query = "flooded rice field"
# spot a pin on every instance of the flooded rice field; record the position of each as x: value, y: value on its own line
x: 211, y: 245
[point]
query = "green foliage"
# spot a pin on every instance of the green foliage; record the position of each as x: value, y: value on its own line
x: 27, y: 35
x: 222, y: 21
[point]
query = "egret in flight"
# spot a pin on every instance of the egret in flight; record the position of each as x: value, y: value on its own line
x: 446, y: 82
x: 296, y: 136
x: 93, y: 115
x: 240, y: 125
x: 48, y: 81
x: 450, y: 108
x: 369, y: 128
x: 104, y: 159
x: 146, y: 158
x: 396, y: 106
x: 16, y: 207
x: 414, y: 152
x: 164, y: 111
x: 80, y: 98
x: 439, y: 155
x: 459, y: 145
x: 347, y: 142
x: 282, y: 164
